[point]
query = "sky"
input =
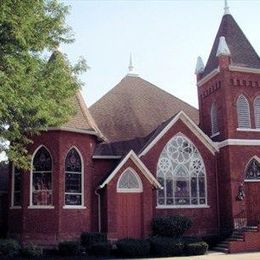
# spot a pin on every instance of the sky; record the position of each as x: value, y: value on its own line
x: 165, y: 38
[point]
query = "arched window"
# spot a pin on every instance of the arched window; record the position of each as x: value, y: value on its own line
x: 129, y: 181
x: 253, y: 170
x: 42, y: 178
x: 73, y: 179
x: 243, y: 112
x: 181, y: 172
x: 214, y: 119
x: 257, y: 112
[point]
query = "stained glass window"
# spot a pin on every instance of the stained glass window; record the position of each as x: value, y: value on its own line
x: 253, y: 170
x: 129, y: 181
x: 214, y: 119
x: 17, y: 187
x: 42, y: 178
x: 73, y: 179
x: 181, y: 172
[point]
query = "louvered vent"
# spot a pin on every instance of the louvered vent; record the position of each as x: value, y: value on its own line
x: 243, y: 112
x: 257, y: 112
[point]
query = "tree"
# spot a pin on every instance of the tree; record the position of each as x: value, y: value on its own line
x: 34, y: 89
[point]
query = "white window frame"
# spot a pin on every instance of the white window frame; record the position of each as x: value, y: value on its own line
x: 162, y: 206
x: 242, y: 115
x: 257, y: 113
x: 12, y: 193
x: 82, y: 181
x: 31, y: 206
x: 130, y: 190
x: 214, y: 120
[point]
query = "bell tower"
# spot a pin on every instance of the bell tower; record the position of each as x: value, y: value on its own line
x: 229, y: 106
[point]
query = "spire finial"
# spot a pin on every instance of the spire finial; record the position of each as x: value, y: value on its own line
x: 226, y: 8
x: 199, y: 66
x: 131, y: 69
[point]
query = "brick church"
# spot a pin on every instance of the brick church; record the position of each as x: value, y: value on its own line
x: 140, y: 152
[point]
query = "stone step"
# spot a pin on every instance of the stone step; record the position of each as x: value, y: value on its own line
x: 234, y: 239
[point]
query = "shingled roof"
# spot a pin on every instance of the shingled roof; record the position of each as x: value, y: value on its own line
x: 82, y: 119
x: 134, y: 108
x: 242, y: 52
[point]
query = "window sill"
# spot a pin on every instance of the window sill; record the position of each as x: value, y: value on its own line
x: 214, y: 135
x: 251, y: 180
x: 183, y: 207
x: 248, y: 129
x: 40, y: 207
x: 15, y: 207
x: 74, y: 207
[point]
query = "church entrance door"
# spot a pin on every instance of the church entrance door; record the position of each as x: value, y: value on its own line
x: 129, y: 215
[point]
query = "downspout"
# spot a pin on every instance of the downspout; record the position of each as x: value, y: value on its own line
x: 99, y: 208
x: 217, y: 187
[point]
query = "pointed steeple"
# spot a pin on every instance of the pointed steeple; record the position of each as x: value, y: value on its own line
x: 223, y: 49
x: 226, y: 8
x: 199, y: 66
x: 131, y: 69
x: 242, y: 53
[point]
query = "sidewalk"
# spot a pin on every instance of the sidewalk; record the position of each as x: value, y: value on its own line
x: 220, y: 256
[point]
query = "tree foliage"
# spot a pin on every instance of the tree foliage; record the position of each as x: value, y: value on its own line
x: 34, y: 89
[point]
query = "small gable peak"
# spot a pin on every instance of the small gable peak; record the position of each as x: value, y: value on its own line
x: 223, y: 49
x: 200, y: 67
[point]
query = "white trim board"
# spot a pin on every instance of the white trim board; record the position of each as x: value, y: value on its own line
x: 131, y: 155
x: 192, y: 126
x: 238, y: 142
x: 244, y: 69
x: 208, y: 77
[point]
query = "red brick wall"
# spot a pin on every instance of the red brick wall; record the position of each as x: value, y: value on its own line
x: 50, y: 225
x: 205, y: 220
x: 224, y: 89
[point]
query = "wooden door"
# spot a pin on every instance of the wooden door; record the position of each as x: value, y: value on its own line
x: 253, y: 202
x: 129, y: 215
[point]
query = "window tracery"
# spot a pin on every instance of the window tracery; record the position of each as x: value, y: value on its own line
x: 253, y: 170
x: 182, y: 174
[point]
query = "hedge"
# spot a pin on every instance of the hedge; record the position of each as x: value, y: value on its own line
x: 69, y: 248
x: 166, y: 246
x: 100, y: 249
x: 171, y: 226
x: 88, y: 239
x: 31, y: 250
x: 130, y: 247
x: 9, y: 247
x: 199, y: 248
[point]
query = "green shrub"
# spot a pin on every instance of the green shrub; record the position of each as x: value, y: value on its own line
x: 68, y: 248
x: 100, y: 249
x: 88, y: 239
x: 31, y: 250
x: 199, y: 248
x: 213, y: 240
x: 9, y: 247
x: 171, y: 226
x: 130, y: 247
x: 166, y: 246
x: 189, y: 240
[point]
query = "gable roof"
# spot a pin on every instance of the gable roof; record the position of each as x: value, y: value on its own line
x: 242, y: 52
x: 159, y: 133
x: 134, y: 108
x: 131, y: 155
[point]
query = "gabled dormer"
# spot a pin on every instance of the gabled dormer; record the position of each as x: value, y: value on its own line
x: 229, y: 85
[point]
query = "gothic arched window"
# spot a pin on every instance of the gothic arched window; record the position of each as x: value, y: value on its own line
x: 42, y: 178
x: 257, y: 112
x: 73, y: 179
x: 214, y: 119
x: 181, y: 172
x: 129, y: 181
x: 253, y: 170
x: 243, y: 112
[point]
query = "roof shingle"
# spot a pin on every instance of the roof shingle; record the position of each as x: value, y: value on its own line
x: 242, y: 52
